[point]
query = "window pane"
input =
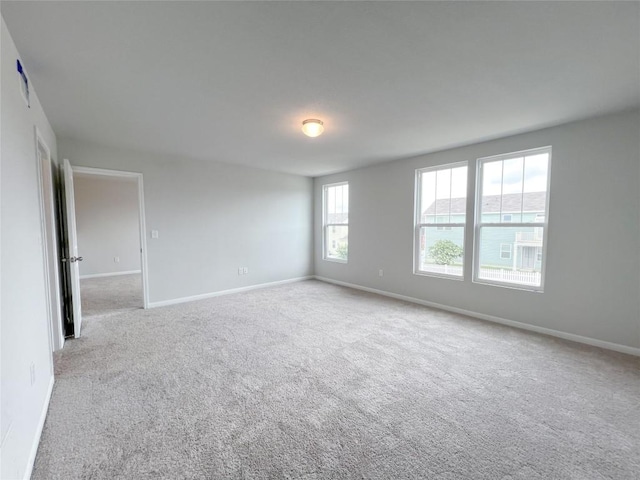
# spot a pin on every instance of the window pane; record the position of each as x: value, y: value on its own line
x: 491, y: 192
x: 331, y: 200
x: 345, y: 199
x: 443, y: 195
x: 441, y: 251
x: 512, y: 176
x: 337, y: 204
x: 427, y: 197
x: 535, y: 173
x: 514, y: 190
x: 522, y: 266
x: 341, y: 193
x: 459, y: 181
x: 535, y: 185
x: 337, y: 242
x: 458, y: 194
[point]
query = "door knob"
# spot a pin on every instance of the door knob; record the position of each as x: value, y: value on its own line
x: 73, y: 259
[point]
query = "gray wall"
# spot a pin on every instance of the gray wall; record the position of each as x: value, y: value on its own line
x: 24, y: 318
x: 213, y: 218
x: 107, y: 224
x: 593, y: 255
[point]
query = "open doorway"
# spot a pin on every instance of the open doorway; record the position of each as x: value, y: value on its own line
x: 109, y: 228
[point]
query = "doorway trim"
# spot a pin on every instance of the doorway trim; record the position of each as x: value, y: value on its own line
x: 49, y: 232
x: 142, y: 223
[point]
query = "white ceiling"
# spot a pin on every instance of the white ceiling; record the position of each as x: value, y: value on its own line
x: 232, y: 81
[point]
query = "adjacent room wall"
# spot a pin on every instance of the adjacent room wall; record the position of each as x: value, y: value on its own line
x: 593, y: 265
x: 107, y: 224
x: 211, y: 219
x: 24, y: 320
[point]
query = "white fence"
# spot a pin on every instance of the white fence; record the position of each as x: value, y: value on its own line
x: 447, y: 269
x: 512, y: 276
x: 496, y: 274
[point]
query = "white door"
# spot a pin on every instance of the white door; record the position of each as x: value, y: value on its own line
x: 72, y: 258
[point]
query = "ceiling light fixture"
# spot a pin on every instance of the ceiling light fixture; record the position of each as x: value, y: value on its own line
x: 312, y: 127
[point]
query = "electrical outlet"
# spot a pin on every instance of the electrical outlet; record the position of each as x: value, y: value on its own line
x: 240, y: 270
x: 154, y: 233
x: 116, y: 259
x: 381, y: 273
x: 32, y: 372
x: 245, y: 270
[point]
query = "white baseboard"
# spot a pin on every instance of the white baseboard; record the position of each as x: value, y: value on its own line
x: 192, y: 298
x: 512, y: 323
x: 112, y: 274
x: 36, y: 440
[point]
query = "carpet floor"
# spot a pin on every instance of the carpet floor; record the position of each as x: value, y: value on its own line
x: 110, y: 295
x: 315, y: 381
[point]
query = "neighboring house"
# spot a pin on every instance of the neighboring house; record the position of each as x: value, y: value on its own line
x: 517, y: 248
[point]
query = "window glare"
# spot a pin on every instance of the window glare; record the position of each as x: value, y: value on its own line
x: 492, y: 178
x: 535, y: 173
x: 459, y: 182
x: 512, y: 175
x: 428, y: 180
x: 331, y: 200
x: 443, y: 185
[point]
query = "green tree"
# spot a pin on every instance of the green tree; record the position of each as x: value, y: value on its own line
x: 342, y: 251
x: 444, y: 252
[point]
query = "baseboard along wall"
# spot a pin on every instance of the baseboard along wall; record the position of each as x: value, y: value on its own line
x: 511, y: 323
x: 36, y: 439
x: 203, y: 296
x: 111, y: 274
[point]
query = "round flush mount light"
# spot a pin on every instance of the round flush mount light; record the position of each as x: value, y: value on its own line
x: 312, y: 127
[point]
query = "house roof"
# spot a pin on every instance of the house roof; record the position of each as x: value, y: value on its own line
x: 511, y: 203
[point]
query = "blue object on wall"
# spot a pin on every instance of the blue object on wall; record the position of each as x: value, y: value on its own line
x: 25, y: 82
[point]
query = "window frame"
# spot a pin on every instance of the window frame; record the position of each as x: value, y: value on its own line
x: 438, y: 226
x: 510, y: 252
x: 326, y: 226
x: 478, y: 224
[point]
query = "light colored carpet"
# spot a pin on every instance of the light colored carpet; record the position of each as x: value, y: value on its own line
x: 310, y: 380
x: 110, y: 295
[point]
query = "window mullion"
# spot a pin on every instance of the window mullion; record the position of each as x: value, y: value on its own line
x: 510, y: 225
x: 501, y: 186
x: 435, y: 200
x: 524, y: 161
x: 450, y: 190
